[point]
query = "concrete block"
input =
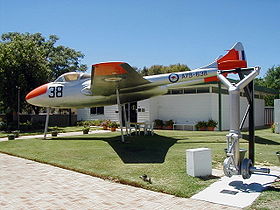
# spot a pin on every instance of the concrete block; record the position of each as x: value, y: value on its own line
x: 199, y: 162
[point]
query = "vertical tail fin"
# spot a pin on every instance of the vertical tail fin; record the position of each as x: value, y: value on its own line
x: 235, y: 58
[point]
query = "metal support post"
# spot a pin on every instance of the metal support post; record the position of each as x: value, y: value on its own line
x: 125, y: 119
x: 244, y: 117
x: 220, y: 106
x: 251, y: 124
x: 128, y: 118
x: 47, y: 123
x: 120, y: 112
x: 249, y: 92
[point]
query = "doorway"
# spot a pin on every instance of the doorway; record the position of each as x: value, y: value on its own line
x: 131, y: 112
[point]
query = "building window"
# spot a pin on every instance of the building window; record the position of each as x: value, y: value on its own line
x: 189, y: 91
x: 177, y: 91
x: 97, y: 110
x: 203, y: 90
x: 216, y: 90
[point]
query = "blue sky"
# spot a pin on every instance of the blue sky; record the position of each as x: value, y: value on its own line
x: 145, y: 32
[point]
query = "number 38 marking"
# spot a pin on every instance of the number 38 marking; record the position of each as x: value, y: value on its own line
x: 56, y: 92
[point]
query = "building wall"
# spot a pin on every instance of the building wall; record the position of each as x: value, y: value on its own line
x: 151, y: 110
x: 195, y: 107
x: 146, y: 108
x: 259, y: 110
x: 181, y: 108
x: 110, y: 112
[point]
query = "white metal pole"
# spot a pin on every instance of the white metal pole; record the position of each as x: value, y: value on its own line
x: 128, y: 120
x: 47, y: 123
x: 120, y: 112
x: 125, y: 119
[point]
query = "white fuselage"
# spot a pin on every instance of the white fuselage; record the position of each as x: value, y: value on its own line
x: 78, y: 93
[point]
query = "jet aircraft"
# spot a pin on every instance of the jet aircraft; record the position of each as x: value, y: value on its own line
x: 112, y: 79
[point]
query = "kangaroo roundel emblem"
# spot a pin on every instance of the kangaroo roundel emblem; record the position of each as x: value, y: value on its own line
x: 173, y: 78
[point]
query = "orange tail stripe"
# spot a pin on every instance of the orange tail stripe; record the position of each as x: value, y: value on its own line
x: 231, y: 55
x: 232, y: 64
x: 211, y: 79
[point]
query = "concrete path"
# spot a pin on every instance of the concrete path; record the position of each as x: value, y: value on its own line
x: 236, y: 191
x: 26, y: 184
x: 59, y: 135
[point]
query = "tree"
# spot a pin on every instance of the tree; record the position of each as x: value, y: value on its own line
x: 30, y: 60
x: 270, y: 80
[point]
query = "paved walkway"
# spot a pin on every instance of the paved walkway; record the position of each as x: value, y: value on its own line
x: 25, y: 184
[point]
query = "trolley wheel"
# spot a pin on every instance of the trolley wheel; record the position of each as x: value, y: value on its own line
x: 227, y: 167
x: 245, y: 168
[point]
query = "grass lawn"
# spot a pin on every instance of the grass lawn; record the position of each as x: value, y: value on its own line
x: 162, y: 157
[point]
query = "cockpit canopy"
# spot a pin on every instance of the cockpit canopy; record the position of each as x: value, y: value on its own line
x: 72, y: 76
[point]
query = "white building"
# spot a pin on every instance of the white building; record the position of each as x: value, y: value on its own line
x: 190, y: 104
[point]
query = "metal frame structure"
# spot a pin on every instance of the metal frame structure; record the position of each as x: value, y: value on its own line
x: 233, y: 164
x: 47, y: 122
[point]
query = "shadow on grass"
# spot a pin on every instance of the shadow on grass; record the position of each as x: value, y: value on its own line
x: 136, y: 149
x: 210, y: 177
x: 200, y: 142
x: 273, y: 188
x: 260, y: 140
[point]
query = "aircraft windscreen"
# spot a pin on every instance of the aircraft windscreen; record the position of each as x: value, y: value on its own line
x: 71, y: 77
x: 86, y: 76
x: 59, y: 79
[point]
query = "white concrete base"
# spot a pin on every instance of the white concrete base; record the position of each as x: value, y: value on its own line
x: 199, y: 162
x: 236, y: 191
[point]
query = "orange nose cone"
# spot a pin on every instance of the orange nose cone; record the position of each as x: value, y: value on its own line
x: 37, y: 91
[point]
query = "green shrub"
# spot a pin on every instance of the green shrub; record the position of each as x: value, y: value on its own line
x: 169, y: 123
x: 26, y: 126
x: 3, y: 126
x: 97, y: 122
x: 201, y: 124
x: 212, y: 123
x: 113, y: 124
x: 79, y: 123
x: 158, y: 123
x: 106, y: 123
x: 273, y: 128
x: 55, y: 128
x: 90, y: 123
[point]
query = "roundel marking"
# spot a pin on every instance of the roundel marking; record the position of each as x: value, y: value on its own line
x: 173, y: 78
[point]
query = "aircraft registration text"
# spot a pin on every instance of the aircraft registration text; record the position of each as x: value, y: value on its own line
x: 194, y: 74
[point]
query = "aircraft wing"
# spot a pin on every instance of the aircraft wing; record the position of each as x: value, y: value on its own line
x: 106, y: 77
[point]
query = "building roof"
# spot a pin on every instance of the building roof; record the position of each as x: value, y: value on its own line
x: 257, y: 87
